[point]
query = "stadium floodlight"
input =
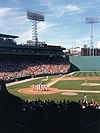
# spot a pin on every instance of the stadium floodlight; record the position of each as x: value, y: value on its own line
x: 91, y: 21
x: 35, y: 17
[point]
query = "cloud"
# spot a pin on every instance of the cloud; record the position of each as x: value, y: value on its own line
x: 71, y: 7
x: 62, y: 10
x: 4, y: 11
x: 46, y: 2
x: 12, y: 20
x: 44, y: 26
x: 58, y: 8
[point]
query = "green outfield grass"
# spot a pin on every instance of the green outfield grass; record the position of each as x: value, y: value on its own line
x: 63, y: 85
x: 87, y: 74
x: 76, y: 85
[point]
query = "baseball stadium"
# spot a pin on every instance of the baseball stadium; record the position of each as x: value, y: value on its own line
x: 46, y: 90
x: 43, y: 90
x: 25, y: 69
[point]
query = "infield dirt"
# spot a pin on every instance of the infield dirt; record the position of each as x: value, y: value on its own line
x: 51, y: 90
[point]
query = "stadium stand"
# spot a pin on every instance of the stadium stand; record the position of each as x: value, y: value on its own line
x: 14, y: 70
x: 7, y: 39
x: 22, y: 61
x: 23, y: 116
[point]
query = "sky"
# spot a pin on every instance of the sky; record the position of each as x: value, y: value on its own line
x: 64, y: 25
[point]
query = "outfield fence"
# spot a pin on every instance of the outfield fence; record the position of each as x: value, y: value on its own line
x: 86, y: 63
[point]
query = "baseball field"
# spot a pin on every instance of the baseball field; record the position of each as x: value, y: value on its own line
x: 68, y: 87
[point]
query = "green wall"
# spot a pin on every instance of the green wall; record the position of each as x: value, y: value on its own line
x: 86, y: 63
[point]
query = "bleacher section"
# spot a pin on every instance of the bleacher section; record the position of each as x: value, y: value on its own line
x: 22, y: 61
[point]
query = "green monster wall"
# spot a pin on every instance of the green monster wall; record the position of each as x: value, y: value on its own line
x: 86, y: 63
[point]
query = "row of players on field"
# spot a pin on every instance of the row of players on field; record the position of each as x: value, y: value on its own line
x: 40, y: 87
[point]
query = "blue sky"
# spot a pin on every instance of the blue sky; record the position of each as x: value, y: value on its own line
x: 64, y: 20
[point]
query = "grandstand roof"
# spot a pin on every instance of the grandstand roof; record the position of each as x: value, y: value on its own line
x: 8, y: 36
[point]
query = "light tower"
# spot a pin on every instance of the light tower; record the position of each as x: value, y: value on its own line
x: 35, y: 17
x: 91, y: 21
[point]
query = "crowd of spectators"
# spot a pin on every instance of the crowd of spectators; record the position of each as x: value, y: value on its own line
x: 47, y: 69
x: 10, y: 70
x: 7, y: 41
x: 20, y: 49
x: 23, y: 116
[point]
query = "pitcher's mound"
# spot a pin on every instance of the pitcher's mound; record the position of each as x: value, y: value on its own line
x: 90, y: 84
x: 32, y: 91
